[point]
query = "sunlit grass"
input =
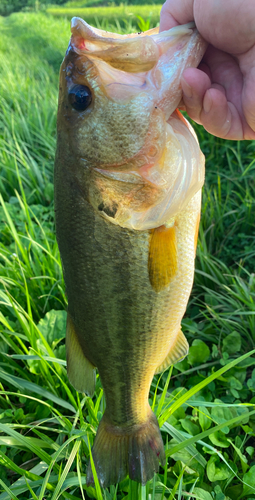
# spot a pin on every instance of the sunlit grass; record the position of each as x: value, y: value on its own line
x: 121, y: 18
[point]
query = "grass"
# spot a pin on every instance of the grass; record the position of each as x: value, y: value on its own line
x: 123, y: 16
x: 80, y: 4
x: 205, y: 405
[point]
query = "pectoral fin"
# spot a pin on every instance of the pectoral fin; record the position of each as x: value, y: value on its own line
x: 177, y: 352
x: 81, y: 373
x: 162, y: 262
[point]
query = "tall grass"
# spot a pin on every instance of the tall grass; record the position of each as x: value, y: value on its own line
x: 124, y: 17
x: 81, y: 4
x: 205, y: 405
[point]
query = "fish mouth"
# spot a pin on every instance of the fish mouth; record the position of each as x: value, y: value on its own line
x: 136, y: 51
x: 154, y: 166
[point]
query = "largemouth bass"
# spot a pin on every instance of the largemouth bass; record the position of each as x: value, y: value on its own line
x: 128, y: 178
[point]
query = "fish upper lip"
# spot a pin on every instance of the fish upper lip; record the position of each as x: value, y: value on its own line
x: 78, y: 24
x: 132, y: 50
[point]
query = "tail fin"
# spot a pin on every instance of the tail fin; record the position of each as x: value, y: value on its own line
x: 118, y: 452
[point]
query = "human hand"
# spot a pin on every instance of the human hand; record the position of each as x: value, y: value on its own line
x: 220, y: 93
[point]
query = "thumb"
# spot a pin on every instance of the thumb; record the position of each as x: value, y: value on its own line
x: 248, y: 97
x: 174, y: 13
x: 247, y: 66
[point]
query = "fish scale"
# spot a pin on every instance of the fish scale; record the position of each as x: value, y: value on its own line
x: 127, y: 252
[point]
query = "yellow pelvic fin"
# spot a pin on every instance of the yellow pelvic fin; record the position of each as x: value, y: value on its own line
x: 81, y: 373
x: 162, y: 262
x: 177, y: 352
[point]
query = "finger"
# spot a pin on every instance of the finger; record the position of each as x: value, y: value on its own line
x: 248, y: 94
x: 205, y: 68
x: 219, y: 87
x: 228, y: 25
x: 226, y: 72
x: 249, y: 105
x: 238, y: 83
x: 194, y: 83
x: 207, y: 105
x: 220, y: 117
x: 167, y: 21
x: 174, y: 13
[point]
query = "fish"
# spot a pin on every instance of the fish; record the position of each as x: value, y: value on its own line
x: 128, y: 178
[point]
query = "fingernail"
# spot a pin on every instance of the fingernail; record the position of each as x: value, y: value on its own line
x: 207, y: 102
x: 187, y: 90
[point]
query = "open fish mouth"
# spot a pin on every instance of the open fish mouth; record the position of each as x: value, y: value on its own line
x: 145, y: 62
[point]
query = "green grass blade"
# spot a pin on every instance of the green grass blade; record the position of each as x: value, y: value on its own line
x: 5, y: 487
x: 63, y: 476
x: 204, y: 434
x: 29, y: 357
x: 15, y: 468
x: 176, y: 434
x: 33, y: 444
x: 79, y: 476
x: 163, y: 395
x: 31, y: 491
x: 97, y: 485
x: 19, y: 383
x: 166, y: 414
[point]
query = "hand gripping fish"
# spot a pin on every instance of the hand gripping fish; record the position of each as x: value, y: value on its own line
x: 128, y: 178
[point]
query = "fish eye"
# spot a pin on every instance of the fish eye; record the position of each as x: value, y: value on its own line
x: 80, y: 97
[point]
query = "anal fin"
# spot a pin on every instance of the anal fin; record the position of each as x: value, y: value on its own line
x: 80, y: 371
x: 177, y: 352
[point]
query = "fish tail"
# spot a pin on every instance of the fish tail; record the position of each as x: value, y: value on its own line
x: 118, y: 452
